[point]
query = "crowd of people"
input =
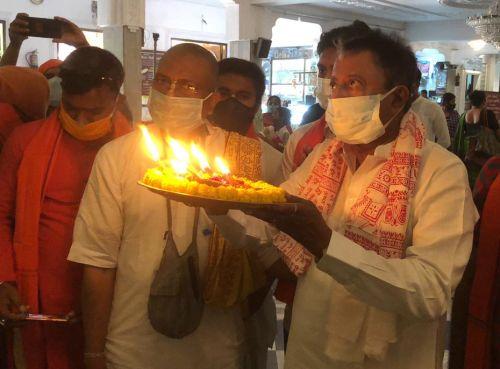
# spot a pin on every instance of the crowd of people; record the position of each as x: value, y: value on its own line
x: 379, y: 226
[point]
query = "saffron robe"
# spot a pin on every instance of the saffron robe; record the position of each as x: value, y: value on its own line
x: 43, y: 173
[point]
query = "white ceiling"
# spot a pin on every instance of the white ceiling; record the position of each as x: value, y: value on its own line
x: 397, y: 10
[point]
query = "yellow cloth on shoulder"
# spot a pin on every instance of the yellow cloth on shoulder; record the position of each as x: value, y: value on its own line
x: 232, y: 275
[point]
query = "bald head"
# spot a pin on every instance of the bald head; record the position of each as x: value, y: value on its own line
x: 193, y: 68
x: 187, y: 50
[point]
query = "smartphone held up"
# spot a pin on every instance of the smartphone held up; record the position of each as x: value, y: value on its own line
x: 44, y: 27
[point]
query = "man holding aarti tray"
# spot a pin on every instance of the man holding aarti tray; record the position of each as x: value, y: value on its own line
x: 161, y: 287
x: 380, y: 228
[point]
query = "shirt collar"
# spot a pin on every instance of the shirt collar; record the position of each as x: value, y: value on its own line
x: 382, y: 153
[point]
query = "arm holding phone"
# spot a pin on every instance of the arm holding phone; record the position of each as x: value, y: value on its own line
x: 71, y: 34
x: 19, y: 30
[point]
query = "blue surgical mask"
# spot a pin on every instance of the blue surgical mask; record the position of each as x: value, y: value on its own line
x: 55, y: 91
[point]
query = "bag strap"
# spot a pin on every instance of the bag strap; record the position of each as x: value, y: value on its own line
x: 169, y: 215
x: 195, y: 225
x: 484, y: 118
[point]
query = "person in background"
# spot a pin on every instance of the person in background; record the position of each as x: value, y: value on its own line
x: 50, y: 69
x: 483, y: 121
x: 72, y: 35
x: 452, y: 117
x: 18, y: 32
x: 384, y: 219
x: 423, y: 93
x: 277, y: 123
x: 488, y: 175
x: 431, y: 115
x: 483, y: 324
x: 24, y: 97
x: 120, y: 236
x: 240, y: 87
x: 305, y: 138
x: 478, y: 135
x: 475, y: 318
x: 44, y: 167
x: 321, y: 92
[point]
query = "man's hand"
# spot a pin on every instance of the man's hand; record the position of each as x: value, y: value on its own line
x: 301, y: 220
x: 10, y: 307
x: 71, y: 34
x: 18, y: 29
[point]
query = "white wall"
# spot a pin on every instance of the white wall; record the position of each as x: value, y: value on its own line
x: 77, y: 11
x: 183, y: 19
x: 330, y: 18
x: 453, y: 30
x: 258, y: 21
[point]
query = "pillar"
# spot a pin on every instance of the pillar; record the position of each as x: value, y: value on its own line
x: 246, y: 22
x: 491, y: 72
x: 123, y: 25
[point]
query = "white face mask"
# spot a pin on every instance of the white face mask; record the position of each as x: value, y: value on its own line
x: 356, y: 120
x: 55, y: 91
x: 175, y: 114
x: 323, y: 91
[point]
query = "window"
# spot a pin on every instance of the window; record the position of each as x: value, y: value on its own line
x: 290, y: 68
x: 291, y: 74
x: 3, y: 36
x: 94, y: 38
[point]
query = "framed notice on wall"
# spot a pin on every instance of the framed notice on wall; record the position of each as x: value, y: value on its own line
x: 493, y: 103
x: 147, y: 69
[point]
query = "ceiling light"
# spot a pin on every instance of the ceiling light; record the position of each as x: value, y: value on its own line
x: 354, y: 3
x: 488, y: 25
x: 467, y: 4
x: 477, y: 44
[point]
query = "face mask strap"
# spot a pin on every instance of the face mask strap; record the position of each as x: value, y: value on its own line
x: 399, y: 111
x: 389, y: 92
x: 208, y: 96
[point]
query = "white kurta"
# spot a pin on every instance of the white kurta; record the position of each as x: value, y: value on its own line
x: 288, y: 166
x: 417, y: 289
x: 121, y: 225
x: 432, y: 115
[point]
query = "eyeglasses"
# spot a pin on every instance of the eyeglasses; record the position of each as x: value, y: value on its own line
x: 182, y: 87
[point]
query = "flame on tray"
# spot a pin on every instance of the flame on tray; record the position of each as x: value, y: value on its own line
x: 183, y: 158
x: 221, y: 165
x: 151, y: 147
x: 200, y: 156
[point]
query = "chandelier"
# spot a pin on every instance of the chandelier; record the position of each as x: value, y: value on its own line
x: 466, y: 4
x: 488, y: 25
x: 354, y: 3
